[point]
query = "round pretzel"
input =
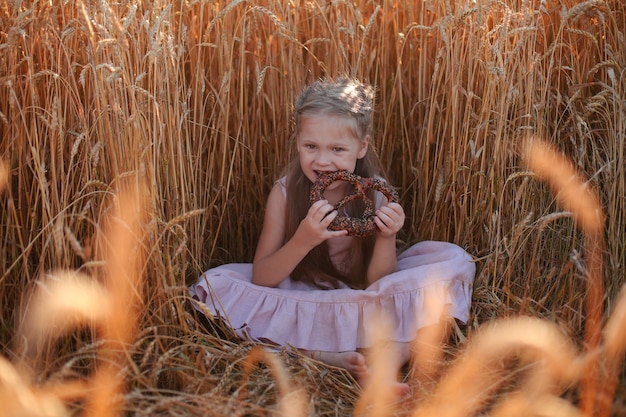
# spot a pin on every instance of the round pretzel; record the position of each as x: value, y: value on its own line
x: 363, y: 226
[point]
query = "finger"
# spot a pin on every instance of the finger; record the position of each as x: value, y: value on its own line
x: 392, y: 208
x: 383, y: 217
x: 317, y: 205
x: 395, y: 208
x: 336, y: 233
x: 391, y: 215
x: 328, y: 214
x: 320, y: 209
x: 332, y: 215
x: 380, y: 223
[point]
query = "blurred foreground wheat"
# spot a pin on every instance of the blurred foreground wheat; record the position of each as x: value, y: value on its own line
x: 65, y: 301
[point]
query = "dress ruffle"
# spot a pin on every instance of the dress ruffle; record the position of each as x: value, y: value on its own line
x: 432, y: 276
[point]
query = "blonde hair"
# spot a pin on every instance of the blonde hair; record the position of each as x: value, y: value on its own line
x: 343, y: 97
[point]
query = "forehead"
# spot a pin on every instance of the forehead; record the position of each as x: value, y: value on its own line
x: 314, y: 126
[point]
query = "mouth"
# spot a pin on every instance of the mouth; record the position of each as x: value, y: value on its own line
x: 321, y: 173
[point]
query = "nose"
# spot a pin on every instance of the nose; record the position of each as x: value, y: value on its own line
x: 323, y: 158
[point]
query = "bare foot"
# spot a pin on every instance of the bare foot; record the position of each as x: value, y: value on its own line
x: 401, y: 389
x: 354, y: 362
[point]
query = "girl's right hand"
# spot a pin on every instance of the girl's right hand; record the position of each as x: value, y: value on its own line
x: 313, y: 229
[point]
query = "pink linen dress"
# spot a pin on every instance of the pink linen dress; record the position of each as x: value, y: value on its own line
x: 431, y: 276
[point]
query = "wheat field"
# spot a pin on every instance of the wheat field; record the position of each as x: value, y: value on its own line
x: 139, y: 140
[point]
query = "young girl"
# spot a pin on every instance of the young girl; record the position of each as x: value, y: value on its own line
x: 317, y: 289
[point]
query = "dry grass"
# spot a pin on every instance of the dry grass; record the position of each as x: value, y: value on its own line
x: 188, y: 104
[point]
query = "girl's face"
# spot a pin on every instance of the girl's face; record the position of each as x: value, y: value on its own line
x: 329, y: 143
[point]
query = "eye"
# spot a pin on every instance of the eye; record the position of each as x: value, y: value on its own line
x: 338, y: 149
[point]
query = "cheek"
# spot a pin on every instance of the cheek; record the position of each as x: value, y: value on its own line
x: 304, y: 157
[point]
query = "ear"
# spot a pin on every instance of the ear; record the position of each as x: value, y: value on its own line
x: 364, y: 145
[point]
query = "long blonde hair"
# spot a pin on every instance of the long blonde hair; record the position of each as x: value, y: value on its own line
x: 342, y: 97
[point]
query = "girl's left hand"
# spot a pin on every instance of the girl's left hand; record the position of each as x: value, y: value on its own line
x: 389, y: 219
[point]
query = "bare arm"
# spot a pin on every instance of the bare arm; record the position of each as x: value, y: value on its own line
x: 273, y: 261
x: 389, y: 219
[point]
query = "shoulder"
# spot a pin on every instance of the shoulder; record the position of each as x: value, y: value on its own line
x: 281, y: 183
x: 277, y: 197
